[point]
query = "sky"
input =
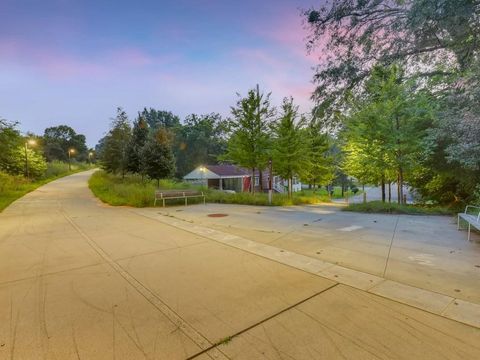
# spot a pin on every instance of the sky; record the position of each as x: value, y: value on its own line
x: 74, y: 62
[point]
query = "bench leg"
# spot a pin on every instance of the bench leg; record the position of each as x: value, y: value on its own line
x: 469, y: 228
x: 204, y: 201
x: 163, y: 202
x: 458, y: 222
x: 186, y: 201
x: 155, y: 202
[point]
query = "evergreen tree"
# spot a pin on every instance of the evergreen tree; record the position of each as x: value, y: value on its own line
x: 250, y: 143
x: 320, y: 169
x: 114, y: 155
x: 157, y: 160
x: 290, y: 151
x: 137, y: 142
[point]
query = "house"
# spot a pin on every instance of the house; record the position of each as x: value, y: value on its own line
x: 238, y: 179
x: 221, y: 177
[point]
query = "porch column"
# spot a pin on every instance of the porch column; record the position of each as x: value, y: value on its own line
x: 221, y: 185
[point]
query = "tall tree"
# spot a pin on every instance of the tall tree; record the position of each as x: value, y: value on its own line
x: 57, y: 141
x: 114, y: 152
x: 386, y: 128
x: 137, y: 142
x: 201, y: 140
x: 160, y: 118
x: 249, y: 143
x: 157, y: 158
x: 431, y: 38
x: 290, y: 151
x: 320, y: 169
x: 10, y: 140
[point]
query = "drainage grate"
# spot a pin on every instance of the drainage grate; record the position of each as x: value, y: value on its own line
x: 217, y: 215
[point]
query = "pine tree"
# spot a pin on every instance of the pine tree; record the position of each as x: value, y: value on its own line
x: 114, y: 151
x: 290, y: 153
x: 157, y: 160
x: 137, y: 142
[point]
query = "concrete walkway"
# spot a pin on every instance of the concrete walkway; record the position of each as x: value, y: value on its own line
x: 80, y: 280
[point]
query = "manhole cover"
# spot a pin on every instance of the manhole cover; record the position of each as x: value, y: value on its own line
x: 217, y: 215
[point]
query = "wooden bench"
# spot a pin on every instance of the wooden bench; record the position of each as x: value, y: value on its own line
x: 177, y: 194
x: 471, y: 219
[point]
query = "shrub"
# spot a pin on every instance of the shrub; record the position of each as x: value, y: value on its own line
x: 394, y: 208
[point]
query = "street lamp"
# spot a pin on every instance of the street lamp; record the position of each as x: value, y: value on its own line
x: 30, y: 142
x: 70, y: 153
x: 203, y: 170
x: 90, y: 154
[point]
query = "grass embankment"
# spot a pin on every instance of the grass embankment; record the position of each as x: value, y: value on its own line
x: 132, y: 191
x: 395, y: 208
x: 14, y: 187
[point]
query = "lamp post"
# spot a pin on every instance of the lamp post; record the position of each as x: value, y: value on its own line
x: 70, y: 153
x: 30, y: 142
x: 202, y: 170
x: 90, y: 154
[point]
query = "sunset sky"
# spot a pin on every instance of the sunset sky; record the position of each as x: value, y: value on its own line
x: 74, y: 61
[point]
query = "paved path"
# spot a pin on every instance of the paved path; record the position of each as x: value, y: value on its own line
x: 374, y: 193
x: 80, y: 280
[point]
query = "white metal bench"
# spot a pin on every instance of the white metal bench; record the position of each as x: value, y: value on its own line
x: 473, y: 219
x: 177, y: 194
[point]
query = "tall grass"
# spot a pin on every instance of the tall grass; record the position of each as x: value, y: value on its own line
x: 133, y: 191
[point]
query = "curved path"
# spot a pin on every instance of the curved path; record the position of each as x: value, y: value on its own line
x: 80, y: 280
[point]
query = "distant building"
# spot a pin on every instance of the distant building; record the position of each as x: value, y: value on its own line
x: 234, y: 178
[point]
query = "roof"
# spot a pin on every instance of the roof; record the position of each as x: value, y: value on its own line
x: 216, y: 172
x: 227, y: 170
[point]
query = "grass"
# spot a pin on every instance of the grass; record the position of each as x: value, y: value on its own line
x: 132, y: 191
x: 395, y: 208
x: 14, y: 187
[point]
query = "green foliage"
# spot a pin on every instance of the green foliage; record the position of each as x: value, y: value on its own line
x: 137, y: 142
x: 393, y: 208
x: 437, y: 39
x: 290, y: 150
x: 157, y: 160
x: 58, y: 140
x: 10, y: 141
x: 114, y: 151
x: 249, y: 142
x: 321, y: 166
x: 385, y: 129
x: 157, y: 119
x: 201, y: 140
x: 131, y: 190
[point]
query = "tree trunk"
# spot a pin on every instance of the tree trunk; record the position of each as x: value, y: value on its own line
x: 399, y: 195
x: 290, y: 182
x: 389, y: 192
x: 400, y: 183
x: 383, y: 188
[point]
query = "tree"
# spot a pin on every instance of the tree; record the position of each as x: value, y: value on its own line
x: 157, y: 160
x: 249, y: 142
x: 290, y: 152
x: 57, y: 141
x: 431, y: 38
x: 137, y: 142
x: 320, y: 169
x: 114, y: 156
x: 385, y: 130
x: 10, y: 140
x: 201, y: 140
x: 158, y: 118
